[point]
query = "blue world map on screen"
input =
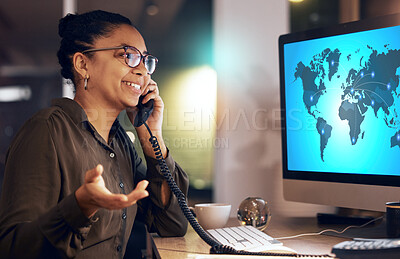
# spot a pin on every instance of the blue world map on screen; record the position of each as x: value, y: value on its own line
x: 342, y: 100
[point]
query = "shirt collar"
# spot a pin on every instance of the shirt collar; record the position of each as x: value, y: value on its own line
x: 72, y: 108
x: 78, y: 114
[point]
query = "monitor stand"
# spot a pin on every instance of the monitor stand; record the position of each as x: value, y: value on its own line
x: 352, y: 217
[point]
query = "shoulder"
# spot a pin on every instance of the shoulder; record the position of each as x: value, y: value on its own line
x: 46, y: 114
x: 62, y: 111
x: 41, y: 124
x: 44, y: 118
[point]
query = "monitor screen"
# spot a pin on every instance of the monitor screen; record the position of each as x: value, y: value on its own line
x: 340, y: 99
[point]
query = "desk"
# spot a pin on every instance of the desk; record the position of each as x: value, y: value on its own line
x: 182, y: 247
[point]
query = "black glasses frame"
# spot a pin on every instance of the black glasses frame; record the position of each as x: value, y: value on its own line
x: 125, y: 48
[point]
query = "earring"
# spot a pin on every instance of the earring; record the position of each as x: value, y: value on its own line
x: 85, y: 82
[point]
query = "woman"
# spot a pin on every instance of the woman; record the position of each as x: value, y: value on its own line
x: 74, y: 183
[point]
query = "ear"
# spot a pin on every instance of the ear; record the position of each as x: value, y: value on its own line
x: 80, y: 63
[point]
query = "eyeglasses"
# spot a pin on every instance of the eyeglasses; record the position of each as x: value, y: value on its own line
x: 133, y: 57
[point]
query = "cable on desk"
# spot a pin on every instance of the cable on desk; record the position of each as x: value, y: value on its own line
x: 216, y: 246
x: 330, y: 230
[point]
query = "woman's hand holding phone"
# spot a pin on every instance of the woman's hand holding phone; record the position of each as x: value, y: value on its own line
x: 150, y: 92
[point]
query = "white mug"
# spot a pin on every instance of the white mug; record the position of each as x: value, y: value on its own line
x: 212, y: 215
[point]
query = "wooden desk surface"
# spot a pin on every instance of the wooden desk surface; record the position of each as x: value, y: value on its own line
x: 184, y: 247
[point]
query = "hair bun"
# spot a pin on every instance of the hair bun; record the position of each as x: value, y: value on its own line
x: 64, y: 23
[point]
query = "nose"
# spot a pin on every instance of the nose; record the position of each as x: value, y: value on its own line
x: 140, y: 69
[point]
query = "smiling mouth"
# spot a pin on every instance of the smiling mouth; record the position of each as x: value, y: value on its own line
x: 136, y: 86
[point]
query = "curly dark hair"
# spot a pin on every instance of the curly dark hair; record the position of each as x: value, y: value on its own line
x: 78, y: 33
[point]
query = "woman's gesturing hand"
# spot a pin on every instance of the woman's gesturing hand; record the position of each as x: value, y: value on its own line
x: 93, y: 194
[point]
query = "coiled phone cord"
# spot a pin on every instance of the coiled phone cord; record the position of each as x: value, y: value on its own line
x: 178, y: 193
x: 216, y: 246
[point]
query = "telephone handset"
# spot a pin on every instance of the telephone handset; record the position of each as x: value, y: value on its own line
x: 144, y: 111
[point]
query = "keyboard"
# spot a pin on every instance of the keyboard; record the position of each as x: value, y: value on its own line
x: 246, y: 238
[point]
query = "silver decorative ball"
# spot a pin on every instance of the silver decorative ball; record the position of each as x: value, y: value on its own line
x: 255, y: 212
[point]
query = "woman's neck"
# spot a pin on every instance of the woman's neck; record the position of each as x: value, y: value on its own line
x: 100, y: 116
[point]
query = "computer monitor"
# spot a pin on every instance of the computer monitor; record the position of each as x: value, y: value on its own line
x: 340, y: 101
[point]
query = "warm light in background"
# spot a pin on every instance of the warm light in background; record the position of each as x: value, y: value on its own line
x: 296, y: 1
x: 193, y: 95
x: 189, y: 124
x: 199, y: 87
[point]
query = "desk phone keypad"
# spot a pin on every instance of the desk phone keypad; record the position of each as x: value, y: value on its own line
x: 368, y: 248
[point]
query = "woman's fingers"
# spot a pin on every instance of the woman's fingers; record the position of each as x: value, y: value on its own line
x: 150, y: 92
x: 139, y: 192
x: 108, y: 200
x: 151, y: 86
x: 142, y: 185
x: 92, y: 174
x: 94, y: 194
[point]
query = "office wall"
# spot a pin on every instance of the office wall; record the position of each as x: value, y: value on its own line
x: 248, y: 115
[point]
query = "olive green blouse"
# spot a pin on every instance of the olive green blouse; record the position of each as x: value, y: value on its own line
x: 46, y: 164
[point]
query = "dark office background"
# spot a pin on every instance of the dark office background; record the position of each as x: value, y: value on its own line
x: 310, y: 14
x: 178, y: 32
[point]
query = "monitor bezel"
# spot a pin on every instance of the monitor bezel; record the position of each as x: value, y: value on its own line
x: 340, y: 29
